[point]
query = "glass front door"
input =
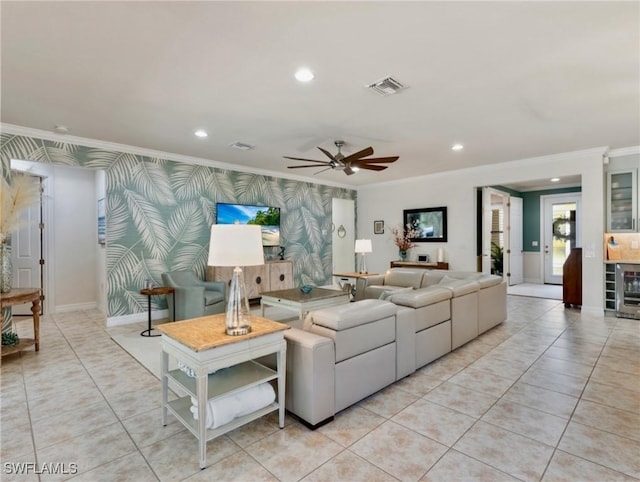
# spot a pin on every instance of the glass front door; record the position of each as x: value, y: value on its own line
x: 561, y: 231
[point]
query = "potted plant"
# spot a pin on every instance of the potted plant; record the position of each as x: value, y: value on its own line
x: 497, y: 258
x: 403, y: 239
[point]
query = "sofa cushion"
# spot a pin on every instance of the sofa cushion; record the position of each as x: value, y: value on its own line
x: 489, y: 280
x: 421, y: 297
x: 357, y: 327
x: 459, y: 287
x: 342, y: 317
x: 404, y: 278
x: 393, y: 290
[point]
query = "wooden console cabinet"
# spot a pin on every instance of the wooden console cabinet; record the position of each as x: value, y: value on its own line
x: 271, y: 276
x: 418, y: 264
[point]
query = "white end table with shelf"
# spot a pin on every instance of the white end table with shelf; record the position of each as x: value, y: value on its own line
x: 203, y: 345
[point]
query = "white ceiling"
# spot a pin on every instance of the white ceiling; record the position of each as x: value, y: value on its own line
x: 509, y: 80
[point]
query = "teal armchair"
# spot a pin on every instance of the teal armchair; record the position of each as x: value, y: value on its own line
x: 193, y: 297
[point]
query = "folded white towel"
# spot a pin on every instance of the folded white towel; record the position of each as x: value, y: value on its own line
x: 224, y: 409
x: 189, y: 371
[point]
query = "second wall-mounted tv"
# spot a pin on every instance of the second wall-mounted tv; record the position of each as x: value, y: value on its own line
x: 268, y: 218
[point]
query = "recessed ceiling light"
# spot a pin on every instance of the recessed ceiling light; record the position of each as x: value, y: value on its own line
x: 304, y: 75
x: 554, y: 179
x: 457, y: 147
x: 200, y: 133
x: 61, y: 129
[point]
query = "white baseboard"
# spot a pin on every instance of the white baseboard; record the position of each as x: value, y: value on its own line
x: 76, y: 307
x: 136, y: 317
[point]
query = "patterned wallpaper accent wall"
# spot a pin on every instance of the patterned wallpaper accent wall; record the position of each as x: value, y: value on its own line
x: 159, y: 213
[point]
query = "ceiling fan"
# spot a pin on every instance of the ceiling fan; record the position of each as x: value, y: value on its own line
x: 349, y: 164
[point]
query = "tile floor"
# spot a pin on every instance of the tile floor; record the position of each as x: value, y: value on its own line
x: 548, y: 395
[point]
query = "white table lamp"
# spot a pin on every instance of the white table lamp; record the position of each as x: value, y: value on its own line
x: 363, y: 246
x: 236, y: 245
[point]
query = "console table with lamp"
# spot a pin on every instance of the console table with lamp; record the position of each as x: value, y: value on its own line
x: 220, y: 350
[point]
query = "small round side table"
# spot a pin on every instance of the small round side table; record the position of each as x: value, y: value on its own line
x: 158, y: 290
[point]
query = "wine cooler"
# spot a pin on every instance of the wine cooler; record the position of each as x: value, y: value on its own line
x: 628, y: 290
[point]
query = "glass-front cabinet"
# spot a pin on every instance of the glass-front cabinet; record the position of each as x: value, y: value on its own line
x: 622, y: 201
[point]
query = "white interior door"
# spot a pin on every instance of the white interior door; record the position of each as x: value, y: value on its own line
x: 26, y: 252
x: 563, y: 212
x: 515, y: 241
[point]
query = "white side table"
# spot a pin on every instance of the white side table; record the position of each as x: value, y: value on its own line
x: 203, y: 345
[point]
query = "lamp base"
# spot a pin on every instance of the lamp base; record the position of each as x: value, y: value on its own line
x: 240, y: 330
x: 238, y: 315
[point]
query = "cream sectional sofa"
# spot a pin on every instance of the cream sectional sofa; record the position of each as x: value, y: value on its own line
x: 438, y: 310
x: 345, y: 353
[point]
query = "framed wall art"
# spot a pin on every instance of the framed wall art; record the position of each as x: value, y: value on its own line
x: 378, y: 227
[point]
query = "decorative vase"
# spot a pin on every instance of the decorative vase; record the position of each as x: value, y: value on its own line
x: 6, y: 270
x: 403, y: 254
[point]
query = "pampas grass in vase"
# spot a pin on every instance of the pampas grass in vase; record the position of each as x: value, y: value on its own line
x: 23, y: 192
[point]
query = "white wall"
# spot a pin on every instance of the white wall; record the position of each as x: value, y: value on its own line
x: 457, y: 191
x: 75, y: 234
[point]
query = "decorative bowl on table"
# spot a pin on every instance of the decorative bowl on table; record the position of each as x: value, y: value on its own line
x: 306, y: 289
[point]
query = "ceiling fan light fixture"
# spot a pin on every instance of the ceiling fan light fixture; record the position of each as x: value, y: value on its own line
x: 457, y: 147
x: 347, y: 164
x: 304, y: 74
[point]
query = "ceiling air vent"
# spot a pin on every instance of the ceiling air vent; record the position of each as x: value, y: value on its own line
x: 386, y: 86
x: 242, y: 146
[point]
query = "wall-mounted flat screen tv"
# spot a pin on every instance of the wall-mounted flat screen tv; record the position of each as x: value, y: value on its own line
x: 268, y: 218
x: 430, y: 223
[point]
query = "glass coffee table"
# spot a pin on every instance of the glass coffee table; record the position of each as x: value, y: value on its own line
x: 295, y: 300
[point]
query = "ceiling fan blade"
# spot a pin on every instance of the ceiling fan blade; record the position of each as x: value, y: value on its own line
x: 357, y: 155
x: 371, y: 167
x: 328, y: 154
x: 303, y: 159
x: 322, y: 171
x: 348, y: 171
x: 308, y: 165
x: 377, y: 160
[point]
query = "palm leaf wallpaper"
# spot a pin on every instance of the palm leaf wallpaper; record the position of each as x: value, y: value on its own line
x: 159, y: 213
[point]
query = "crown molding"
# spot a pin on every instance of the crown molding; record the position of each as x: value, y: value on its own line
x: 624, y: 151
x: 98, y: 144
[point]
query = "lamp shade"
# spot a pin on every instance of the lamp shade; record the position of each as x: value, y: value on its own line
x: 235, y: 245
x: 363, y: 246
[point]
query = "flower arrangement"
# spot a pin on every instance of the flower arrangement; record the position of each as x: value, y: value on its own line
x: 402, y: 238
x: 14, y: 198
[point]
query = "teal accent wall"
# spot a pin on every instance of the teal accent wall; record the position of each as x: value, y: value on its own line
x: 531, y: 215
x: 159, y: 213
